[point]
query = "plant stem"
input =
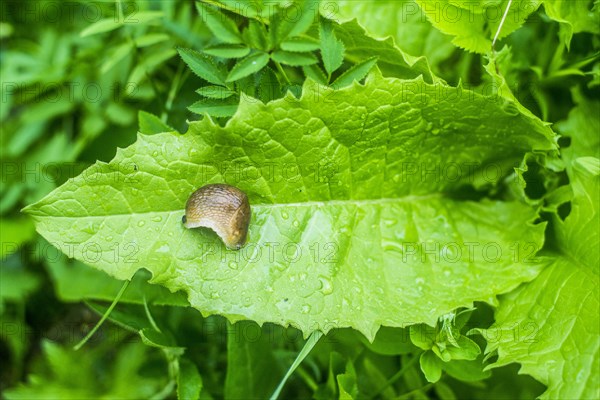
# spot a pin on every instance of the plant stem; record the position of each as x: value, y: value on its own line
x: 106, y: 314
x: 280, y: 69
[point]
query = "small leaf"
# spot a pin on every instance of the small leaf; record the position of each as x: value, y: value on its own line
x: 249, y: 65
x: 299, y: 44
x: 293, y: 59
x: 120, y: 52
x: 142, y: 17
x: 202, y: 66
x: 431, y: 366
x: 269, y: 87
x: 227, y: 50
x: 422, y: 336
x: 468, y: 371
x: 308, y: 11
x: 467, y: 350
x: 215, y: 107
x: 332, y: 49
x: 293, y: 20
x: 104, y: 25
x: 189, y: 381
x: 355, y: 73
x: 220, y: 25
x: 215, y: 92
x: 256, y: 36
x: 150, y: 39
x: 315, y: 73
x: 150, y: 124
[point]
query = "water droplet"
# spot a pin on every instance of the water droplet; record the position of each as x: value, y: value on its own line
x: 164, y: 248
x: 446, y: 272
x: 303, y: 276
x: 141, y: 223
x: 305, y: 309
x: 419, y: 281
x: 296, y: 223
x: 108, y: 238
x: 215, y: 295
x: 192, y: 152
x: 155, y: 153
x: 285, y: 215
x: 435, y: 131
x: 158, y: 218
x: 326, y: 286
x: 233, y: 265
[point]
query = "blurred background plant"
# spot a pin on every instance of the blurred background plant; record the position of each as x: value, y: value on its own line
x: 79, y: 80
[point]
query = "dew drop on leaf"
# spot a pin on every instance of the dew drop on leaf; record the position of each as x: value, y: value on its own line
x: 305, y: 309
x: 158, y: 218
x: 141, y: 223
x: 233, y: 265
x: 285, y: 215
x: 326, y: 286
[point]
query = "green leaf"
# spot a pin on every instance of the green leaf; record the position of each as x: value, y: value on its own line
x: 215, y: 107
x: 315, y: 73
x: 332, y: 49
x: 293, y: 59
x: 574, y: 17
x: 117, y: 56
x: 202, y: 66
x: 215, y: 92
x: 293, y: 19
x: 269, y: 87
x: 354, y: 73
x: 247, y: 66
x: 468, y: 371
x: 431, y: 366
x: 227, y: 50
x: 347, y: 383
x: 302, y: 16
x: 14, y: 231
x: 248, y: 351
x: 256, y: 36
x: 392, y: 61
x: 391, y: 341
x: 466, y: 350
x: 404, y: 21
x: 189, y: 381
x: 423, y: 336
x: 551, y: 325
x: 220, y: 25
x: 300, y: 44
x: 150, y: 123
x: 474, y: 24
x: 357, y: 206
x: 101, y: 26
x: 150, y: 39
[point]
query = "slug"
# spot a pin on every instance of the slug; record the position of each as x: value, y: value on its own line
x: 224, y: 209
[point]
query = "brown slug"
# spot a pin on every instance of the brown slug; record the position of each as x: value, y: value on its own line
x: 224, y: 209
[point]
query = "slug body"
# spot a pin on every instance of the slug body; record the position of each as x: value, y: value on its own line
x: 223, y: 208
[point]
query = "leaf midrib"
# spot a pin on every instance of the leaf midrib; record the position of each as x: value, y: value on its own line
x: 315, y: 204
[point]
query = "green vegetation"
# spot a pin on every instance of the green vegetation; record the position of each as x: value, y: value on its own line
x: 424, y: 180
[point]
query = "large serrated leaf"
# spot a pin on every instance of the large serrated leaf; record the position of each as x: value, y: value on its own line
x: 474, y: 24
x: 551, y: 325
x: 348, y: 227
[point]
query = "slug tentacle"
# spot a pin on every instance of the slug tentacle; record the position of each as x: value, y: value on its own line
x: 223, y: 208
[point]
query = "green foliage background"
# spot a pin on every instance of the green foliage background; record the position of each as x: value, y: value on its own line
x: 113, y: 113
